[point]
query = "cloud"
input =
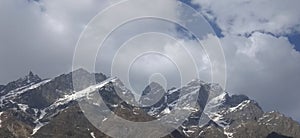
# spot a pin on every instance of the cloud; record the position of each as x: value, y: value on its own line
x: 265, y: 68
x: 41, y: 36
x: 152, y: 53
x: 261, y: 62
x: 246, y: 16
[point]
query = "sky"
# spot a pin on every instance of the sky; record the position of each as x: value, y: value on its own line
x: 260, y: 39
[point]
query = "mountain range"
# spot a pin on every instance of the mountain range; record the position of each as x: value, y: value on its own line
x: 47, y: 108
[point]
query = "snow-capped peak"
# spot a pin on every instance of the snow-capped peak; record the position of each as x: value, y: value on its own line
x: 85, y: 92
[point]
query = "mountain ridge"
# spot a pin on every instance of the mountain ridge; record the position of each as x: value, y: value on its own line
x: 23, y: 115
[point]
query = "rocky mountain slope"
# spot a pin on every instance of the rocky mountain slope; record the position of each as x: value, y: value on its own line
x: 35, y: 107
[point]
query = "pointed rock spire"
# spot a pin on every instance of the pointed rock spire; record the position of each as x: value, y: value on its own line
x: 30, y: 74
x: 31, y: 77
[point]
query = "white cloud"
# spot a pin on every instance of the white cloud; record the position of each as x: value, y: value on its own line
x: 265, y: 68
x: 169, y: 57
x: 246, y: 16
x: 260, y: 65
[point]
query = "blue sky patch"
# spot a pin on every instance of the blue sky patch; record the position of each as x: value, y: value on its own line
x: 295, y: 40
